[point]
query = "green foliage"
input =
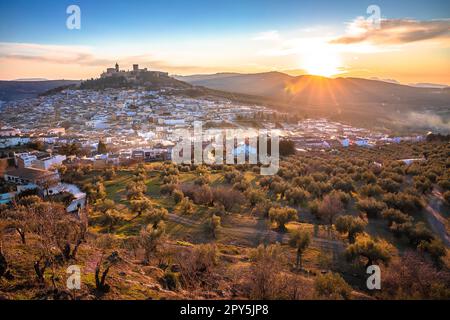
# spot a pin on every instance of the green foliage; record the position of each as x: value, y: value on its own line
x: 394, y: 215
x: 255, y: 196
x: 404, y: 201
x: 350, y: 225
x: 177, y: 195
x: 296, y: 195
x: 213, y: 225
x: 281, y: 216
x: 299, y: 240
x: 419, y: 232
x: 435, y: 248
x: 332, y: 286
x: 371, y: 207
x: 135, y: 190
x: 365, y: 247
x: 286, y: 147
x: 389, y: 185
x: 186, y: 206
x: 141, y: 206
x: 111, y: 218
x: 343, y: 184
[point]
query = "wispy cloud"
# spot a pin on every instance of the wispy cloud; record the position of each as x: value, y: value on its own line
x: 83, y: 56
x: 394, y: 31
x: 59, y: 54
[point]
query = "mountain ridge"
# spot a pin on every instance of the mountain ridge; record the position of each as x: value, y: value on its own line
x: 317, y: 90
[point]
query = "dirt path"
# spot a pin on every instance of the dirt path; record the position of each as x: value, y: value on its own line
x: 434, y: 217
x: 260, y: 233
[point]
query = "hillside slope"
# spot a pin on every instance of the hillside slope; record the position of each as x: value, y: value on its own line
x: 14, y: 90
x: 322, y: 91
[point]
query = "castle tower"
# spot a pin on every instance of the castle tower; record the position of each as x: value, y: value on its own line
x: 117, y: 67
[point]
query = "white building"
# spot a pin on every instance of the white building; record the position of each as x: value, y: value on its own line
x: 24, y: 160
x: 49, y: 162
x: 57, y: 131
x: 12, y: 141
x: 9, y: 132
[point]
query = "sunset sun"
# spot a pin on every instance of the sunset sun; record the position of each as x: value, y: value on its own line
x: 325, y: 64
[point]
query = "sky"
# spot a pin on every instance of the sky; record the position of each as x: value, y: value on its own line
x: 408, y: 42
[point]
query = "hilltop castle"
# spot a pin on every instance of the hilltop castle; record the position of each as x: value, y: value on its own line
x: 132, y: 75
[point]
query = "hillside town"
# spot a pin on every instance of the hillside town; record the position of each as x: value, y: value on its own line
x: 137, y: 125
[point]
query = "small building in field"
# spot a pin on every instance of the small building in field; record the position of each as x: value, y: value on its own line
x: 32, y: 175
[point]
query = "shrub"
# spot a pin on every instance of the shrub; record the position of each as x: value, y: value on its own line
x: 213, y: 225
x: 343, y: 196
x: 389, y: 185
x: 423, y: 281
x: 167, y: 188
x: 241, y: 185
x: 332, y: 286
x: 261, y: 209
x: 203, y: 195
x: 255, y: 196
x: 228, y: 197
x: 371, y: 207
x: 186, y: 206
x: 171, y: 280
x: 263, y: 277
x: 371, y: 190
x: 178, y: 195
x: 435, y: 248
x: 345, y: 185
x: 296, y: 195
x: 446, y: 196
x: 394, y: 215
x: 351, y: 225
x: 197, y: 266
x: 404, y: 202
x: 202, y: 180
x: 419, y: 232
x: 329, y: 207
x: 281, y: 216
x: 369, y: 249
x: 369, y: 177
x: 300, y: 240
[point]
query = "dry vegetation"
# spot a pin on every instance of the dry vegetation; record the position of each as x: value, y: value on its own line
x: 162, y: 231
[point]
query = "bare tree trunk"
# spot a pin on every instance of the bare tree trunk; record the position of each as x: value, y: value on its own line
x: 21, y: 233
x: 3, y: 264
x: 40, y: 270
x: 73, y: 255
x: 100, y: 281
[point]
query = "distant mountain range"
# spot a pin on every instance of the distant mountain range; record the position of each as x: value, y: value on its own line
x: 370, y: 103
x: 318, y: 91
x: 31, y: 79
x: 27, y: 88
x: 429, y: 85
